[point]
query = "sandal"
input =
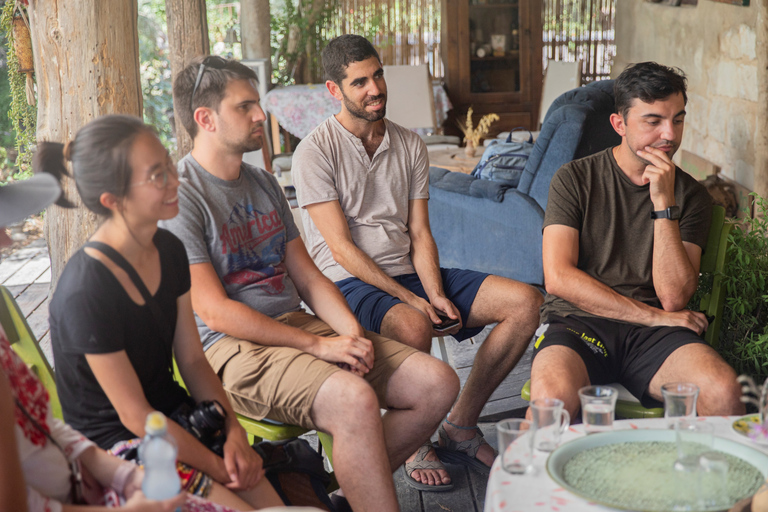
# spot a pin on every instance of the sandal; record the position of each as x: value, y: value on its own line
x: 462, y: 452
x: 420, y: 463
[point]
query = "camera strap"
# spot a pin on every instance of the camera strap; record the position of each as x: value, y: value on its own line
x: 149, y: 300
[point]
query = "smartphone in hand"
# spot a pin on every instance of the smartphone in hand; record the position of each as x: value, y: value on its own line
x: 447, y: 323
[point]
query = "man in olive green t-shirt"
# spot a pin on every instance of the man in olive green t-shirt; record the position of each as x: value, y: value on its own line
x: 623, y: 235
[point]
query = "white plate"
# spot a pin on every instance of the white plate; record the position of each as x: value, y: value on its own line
x: 557, y: 459
x: 741, y: 427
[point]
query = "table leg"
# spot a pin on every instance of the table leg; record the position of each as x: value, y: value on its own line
x: 265, y: 153
x: 275, y: 126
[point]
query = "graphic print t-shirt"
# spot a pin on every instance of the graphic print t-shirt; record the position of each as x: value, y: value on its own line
x: 241, y: 227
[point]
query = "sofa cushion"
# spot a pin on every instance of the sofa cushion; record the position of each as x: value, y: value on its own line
x: 467, y: 185
x: 576, y: 125
x: 593, y: 95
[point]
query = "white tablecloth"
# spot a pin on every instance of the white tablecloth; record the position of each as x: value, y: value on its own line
x: 536, y: 491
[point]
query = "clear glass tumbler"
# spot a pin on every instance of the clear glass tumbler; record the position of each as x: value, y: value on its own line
x: 550, y: 420
x: 598, y: 406
x: 679, y: 401
x: 515, y: 445
x: 713, y: 482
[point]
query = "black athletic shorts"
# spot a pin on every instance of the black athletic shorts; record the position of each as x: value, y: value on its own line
x: 616, y: 351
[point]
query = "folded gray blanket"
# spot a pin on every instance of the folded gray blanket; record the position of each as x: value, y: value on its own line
x: 467, y: 185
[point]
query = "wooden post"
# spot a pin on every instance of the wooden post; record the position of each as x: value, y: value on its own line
x: 86, y: 56
x: 761, y: 138
x: 187, y: 39
x: 254, y: 30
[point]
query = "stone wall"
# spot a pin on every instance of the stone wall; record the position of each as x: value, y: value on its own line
x: 716, y: 45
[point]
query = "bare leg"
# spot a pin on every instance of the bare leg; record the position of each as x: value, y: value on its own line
x: 421, y: 392
x: 701, y: 365
x: 411, y: 327
x: 558, y: 372
x: 261, y: 496
x: 347, y: 408
x: 408, y: 325
x: 514, y: 306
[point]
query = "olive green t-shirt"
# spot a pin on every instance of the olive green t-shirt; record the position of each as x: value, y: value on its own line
x: 613, y: 217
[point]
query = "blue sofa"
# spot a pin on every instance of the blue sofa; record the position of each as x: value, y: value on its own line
x: 484, y: 225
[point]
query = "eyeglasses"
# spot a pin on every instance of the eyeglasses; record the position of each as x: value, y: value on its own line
x: 212, y: 61
x: 159, y: 178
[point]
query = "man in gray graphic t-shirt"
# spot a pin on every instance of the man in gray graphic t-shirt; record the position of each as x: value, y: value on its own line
x: 250, y: 271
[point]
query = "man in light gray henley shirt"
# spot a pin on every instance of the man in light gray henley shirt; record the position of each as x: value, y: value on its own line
x: 363, y: 184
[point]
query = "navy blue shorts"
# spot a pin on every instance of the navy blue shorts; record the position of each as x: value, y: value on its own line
x: 370, y: 304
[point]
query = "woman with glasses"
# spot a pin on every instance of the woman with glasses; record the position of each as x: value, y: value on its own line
x: 122, y: 311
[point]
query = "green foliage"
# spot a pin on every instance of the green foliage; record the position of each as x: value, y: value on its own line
x: 307, y: 24
x: 155, y: 69
x: 7, y: 136
x: 223, y: 17
x: 156, y: 78
x: 22, y: 115
x: 744, y: 332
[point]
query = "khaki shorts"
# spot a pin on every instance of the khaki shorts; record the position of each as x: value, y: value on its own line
x: 280, y: 383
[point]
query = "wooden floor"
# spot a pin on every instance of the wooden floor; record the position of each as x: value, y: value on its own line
x: 26, y: 273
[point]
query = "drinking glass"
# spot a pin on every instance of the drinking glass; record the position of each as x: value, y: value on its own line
x: 515, y: 445
x: 686, y: 481
x: 549, y: 422
x: 713, y: 481
x: 693, y: 438
x: 679, y: 401
x: 598, y: 404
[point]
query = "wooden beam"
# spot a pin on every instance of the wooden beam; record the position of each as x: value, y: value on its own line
x: 86, y: 65
x: 255, y: 30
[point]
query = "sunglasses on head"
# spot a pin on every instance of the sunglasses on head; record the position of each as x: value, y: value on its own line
x: 212, y: 61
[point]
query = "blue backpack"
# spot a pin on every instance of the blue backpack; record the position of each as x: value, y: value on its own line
x: 504, y: 161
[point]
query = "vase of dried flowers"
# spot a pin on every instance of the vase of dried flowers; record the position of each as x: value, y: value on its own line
x: 473, y: 135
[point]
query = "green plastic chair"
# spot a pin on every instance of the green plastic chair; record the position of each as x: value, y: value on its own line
x: 26, y: 345
x: 713, y: 261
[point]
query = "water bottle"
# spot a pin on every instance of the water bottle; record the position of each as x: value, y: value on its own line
x: 158, y: 453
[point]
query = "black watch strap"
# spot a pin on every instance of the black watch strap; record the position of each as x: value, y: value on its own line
x: 671, y: 213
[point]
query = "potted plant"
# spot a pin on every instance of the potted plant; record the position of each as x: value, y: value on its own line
x: 744, y: 330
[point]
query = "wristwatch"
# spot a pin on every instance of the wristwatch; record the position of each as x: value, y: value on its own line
x: 671, y: 213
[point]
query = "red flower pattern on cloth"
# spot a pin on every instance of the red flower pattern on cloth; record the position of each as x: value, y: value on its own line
x: 28, y: 390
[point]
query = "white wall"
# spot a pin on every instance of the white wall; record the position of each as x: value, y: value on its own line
x: 715, y: 44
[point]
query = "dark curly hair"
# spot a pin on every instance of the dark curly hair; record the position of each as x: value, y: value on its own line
x: 344, y: 50
x: 648, y: 81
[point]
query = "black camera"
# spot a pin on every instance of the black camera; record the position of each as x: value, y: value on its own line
x: 206, y: 421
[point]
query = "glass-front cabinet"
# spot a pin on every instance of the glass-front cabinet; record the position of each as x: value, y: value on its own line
x: 494, y: 47
x: 492, y: 51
